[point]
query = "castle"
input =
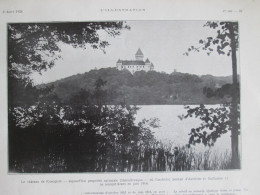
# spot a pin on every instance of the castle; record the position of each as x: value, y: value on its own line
x: 135, y: 65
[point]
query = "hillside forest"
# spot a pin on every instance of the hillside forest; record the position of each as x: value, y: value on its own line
x: 146, y: 88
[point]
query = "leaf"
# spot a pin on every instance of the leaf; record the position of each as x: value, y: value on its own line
x: 215, y: 41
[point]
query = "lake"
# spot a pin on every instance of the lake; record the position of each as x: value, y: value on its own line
x: 176, y: 131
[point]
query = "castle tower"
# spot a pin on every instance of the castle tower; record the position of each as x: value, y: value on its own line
x: 152, y: 67
x: 119, y: 64
x: 139, y: 55
x: 147, y: 62
x: 135, y: 65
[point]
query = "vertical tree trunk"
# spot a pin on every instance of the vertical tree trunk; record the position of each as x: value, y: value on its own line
x: 235, y: 161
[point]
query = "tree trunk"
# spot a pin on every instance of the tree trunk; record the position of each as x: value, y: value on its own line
x: 235, y: 160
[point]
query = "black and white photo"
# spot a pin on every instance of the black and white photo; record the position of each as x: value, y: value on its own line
x: 123, y: 96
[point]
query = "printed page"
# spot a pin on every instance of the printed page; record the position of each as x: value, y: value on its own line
x: 129, y: 97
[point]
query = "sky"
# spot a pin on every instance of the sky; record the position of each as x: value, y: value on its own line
x: 163, y: 42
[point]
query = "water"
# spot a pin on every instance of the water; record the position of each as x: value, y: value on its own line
x: 176, y: 131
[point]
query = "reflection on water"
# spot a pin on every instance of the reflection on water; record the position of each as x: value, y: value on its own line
x: 176, y: 131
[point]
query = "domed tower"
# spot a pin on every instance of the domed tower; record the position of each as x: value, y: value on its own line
x: 139, y: 55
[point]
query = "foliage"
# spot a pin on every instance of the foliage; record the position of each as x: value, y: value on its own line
x: 79, y: 136
x: 142, y: 88
x: 215, y: 122
x: 36, y: 46
x: 80, y: 133
x: 224, y: 90
x: 225, y: 43
x: 21, y: 92
x: 221, y: 43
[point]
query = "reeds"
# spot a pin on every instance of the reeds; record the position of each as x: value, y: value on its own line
x: 159, y: 157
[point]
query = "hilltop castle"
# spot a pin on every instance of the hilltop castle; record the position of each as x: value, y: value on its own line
x: 135, y: 65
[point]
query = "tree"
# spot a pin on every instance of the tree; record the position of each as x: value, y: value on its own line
x: 35, y: 46
x: 226, y: 43
x: 77, y: 136
x: 100, y: 94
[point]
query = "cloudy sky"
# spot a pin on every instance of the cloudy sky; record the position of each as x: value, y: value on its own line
x: 163, y: 42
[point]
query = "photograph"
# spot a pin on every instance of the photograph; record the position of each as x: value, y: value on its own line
x: 123, y: 96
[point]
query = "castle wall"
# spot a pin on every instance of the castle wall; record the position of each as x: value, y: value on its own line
x: 135, y: 65
x: 134, y: 68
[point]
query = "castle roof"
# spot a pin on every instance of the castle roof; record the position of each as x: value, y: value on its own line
x: 147, y: 61
x: 139, y: 52
x: 132, y: 62
x: 118, y: 61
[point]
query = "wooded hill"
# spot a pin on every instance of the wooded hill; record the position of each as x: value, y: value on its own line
x: 145, y: 88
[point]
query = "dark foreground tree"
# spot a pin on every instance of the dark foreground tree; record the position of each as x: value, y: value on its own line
x: 50, y: 136
x: 225, y: 43
x: 34, y: 47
